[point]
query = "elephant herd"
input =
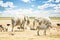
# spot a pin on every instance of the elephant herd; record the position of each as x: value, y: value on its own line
x: 42, y: 23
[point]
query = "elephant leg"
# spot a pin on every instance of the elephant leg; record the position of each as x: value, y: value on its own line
x: 45, y: 32
x: 38, y: 32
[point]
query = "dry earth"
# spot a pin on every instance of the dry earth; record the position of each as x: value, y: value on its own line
x: 52, y: 34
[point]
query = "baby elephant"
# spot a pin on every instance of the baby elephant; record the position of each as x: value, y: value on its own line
x: 43, y: 25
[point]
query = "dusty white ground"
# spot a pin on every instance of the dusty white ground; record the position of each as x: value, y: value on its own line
x: 52, y: 34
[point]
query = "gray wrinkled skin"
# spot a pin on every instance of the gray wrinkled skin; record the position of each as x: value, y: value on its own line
x: 43, y: 24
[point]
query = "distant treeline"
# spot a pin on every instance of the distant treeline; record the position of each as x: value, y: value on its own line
x: 55, y: 18
x: 7, y: 18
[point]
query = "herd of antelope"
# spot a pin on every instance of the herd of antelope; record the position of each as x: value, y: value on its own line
x: 42, y: 23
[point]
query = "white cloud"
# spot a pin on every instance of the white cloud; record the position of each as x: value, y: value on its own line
x: 33, y: 0
x: 37, y: 13
x: 25, y: 1
x: 32, y: 5
x: 41, y: 13
x: 50, y: 0
x: 54, y: 15
x: 10, y: 4
x: 57, y: 7
x: 57, y: 1
x: 17, y: 12
x: 58, y: 11
x: 43, y: 6
x: 29, y: 12
x: 46, y: 5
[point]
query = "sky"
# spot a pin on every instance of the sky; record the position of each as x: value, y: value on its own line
x: 32, y: 8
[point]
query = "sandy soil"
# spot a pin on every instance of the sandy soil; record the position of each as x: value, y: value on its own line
x: 52, y: 34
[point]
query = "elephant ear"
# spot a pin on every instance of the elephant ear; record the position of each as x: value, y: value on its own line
x: 17, y: 22
x: 25, y: 19
x: 40, y: 22
x: 28, y: 22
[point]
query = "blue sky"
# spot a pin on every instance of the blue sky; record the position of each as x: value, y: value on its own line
x: 35, y: 8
